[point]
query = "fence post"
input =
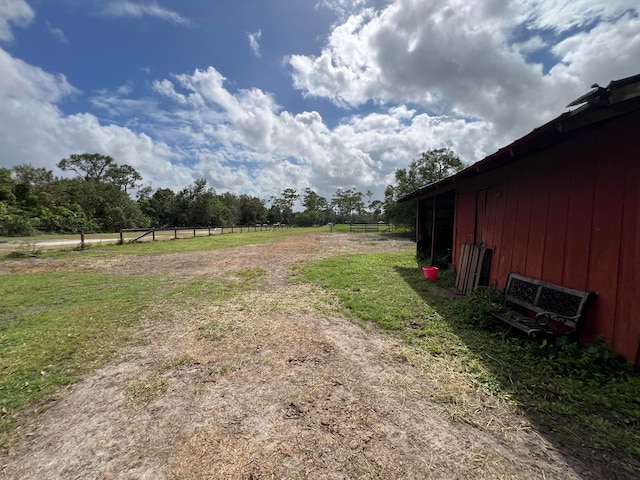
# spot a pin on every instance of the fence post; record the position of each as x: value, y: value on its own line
x: 153, y: 234
x: 82, y: 239
x: 121, y: 237
x: 175, y: 233
x: 194, y: 233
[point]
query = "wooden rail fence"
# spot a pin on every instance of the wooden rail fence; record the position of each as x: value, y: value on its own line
x: 209, y: 230
x: 370, y: 227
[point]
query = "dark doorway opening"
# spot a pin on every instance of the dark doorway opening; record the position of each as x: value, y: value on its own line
x: 436, y: 216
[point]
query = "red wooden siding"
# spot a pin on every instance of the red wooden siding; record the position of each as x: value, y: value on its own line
x: 576, y: 246
x: 499, y: 200
x: 506, y: 240
x: 464, y: 217
x: 523, y: 190
x: 570, y: 215
x: 556, y: 223
x: 604, y: 256
x: 625, y: 328
x: 538, y: 223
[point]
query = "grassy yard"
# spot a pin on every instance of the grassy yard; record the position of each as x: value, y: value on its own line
x: 57, y: 327
x: 585, y: 399
x: 214, y: 242
x: 18, y: 247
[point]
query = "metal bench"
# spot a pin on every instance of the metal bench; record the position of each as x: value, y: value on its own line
x: 537, y: 306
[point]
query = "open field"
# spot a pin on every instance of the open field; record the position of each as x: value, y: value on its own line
x: 266, y: 359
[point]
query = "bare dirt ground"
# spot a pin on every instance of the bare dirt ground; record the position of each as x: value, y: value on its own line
x: 284, y: 387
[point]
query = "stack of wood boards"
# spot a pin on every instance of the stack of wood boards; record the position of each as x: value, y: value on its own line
x: 473, y: 268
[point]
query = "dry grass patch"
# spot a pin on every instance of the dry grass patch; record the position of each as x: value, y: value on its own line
x: 143, y: 392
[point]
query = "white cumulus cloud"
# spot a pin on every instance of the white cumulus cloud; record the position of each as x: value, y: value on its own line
x: 468, y: 58
x: 138, y: 9
x: 254, y: 42
x: 57, y: 33
x: 270, y: 148
x: 16, y: 12
x: 34, y: 130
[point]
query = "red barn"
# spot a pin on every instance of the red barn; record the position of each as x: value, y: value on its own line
x: 561, y: 204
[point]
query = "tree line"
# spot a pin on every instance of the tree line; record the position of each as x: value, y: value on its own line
x: 97, y: 199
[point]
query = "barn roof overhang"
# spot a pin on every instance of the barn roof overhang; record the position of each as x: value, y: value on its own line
x: 431, y: 190
x: 599, y: 105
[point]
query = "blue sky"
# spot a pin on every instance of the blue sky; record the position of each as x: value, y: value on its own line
x: 261, y: 95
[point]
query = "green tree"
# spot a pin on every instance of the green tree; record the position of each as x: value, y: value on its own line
x: 276, y: 209
x: 102, y: 196
x: 105, y: 205
x: 435, y: 165
x: 7, y: 184
x: 432, y: 166
x: 20, y: 209
x: 124, y: 176
x: 37, y: 178
x: 33, y: 198
x: 227, y: 210
x: 161, y: 207
x: 375, y: 209
x: 67, y: 219
x: 144, y: 192
x: 90, y: 166
x: 348, y: 205
x: 251, y: 210
x: 315, y: 208
x: 289, y: 198
x: 101, y: 168
x: 14, y: 220
x: 194, y: 205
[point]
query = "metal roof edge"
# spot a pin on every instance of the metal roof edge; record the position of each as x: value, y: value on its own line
x: 440, y: 186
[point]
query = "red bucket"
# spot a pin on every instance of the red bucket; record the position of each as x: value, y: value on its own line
x: 430, y: 273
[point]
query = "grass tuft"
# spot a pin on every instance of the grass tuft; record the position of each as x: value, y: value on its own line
x: 215, y: 331
x: 251, y: 274
x: 26, y: 249
x: 146, y: 391
x: 177, y: 361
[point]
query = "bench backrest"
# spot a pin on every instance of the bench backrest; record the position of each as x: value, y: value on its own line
x: 539, y: 296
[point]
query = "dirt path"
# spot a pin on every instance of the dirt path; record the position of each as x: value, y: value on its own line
x: 283, y: 387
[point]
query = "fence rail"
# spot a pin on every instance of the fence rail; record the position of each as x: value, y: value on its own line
x: 202, y: 230
x: 370, y: 227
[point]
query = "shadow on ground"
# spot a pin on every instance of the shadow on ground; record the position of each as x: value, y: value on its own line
x: 494, y: 345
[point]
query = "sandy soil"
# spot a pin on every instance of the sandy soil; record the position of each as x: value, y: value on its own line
x: 283, y: 387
